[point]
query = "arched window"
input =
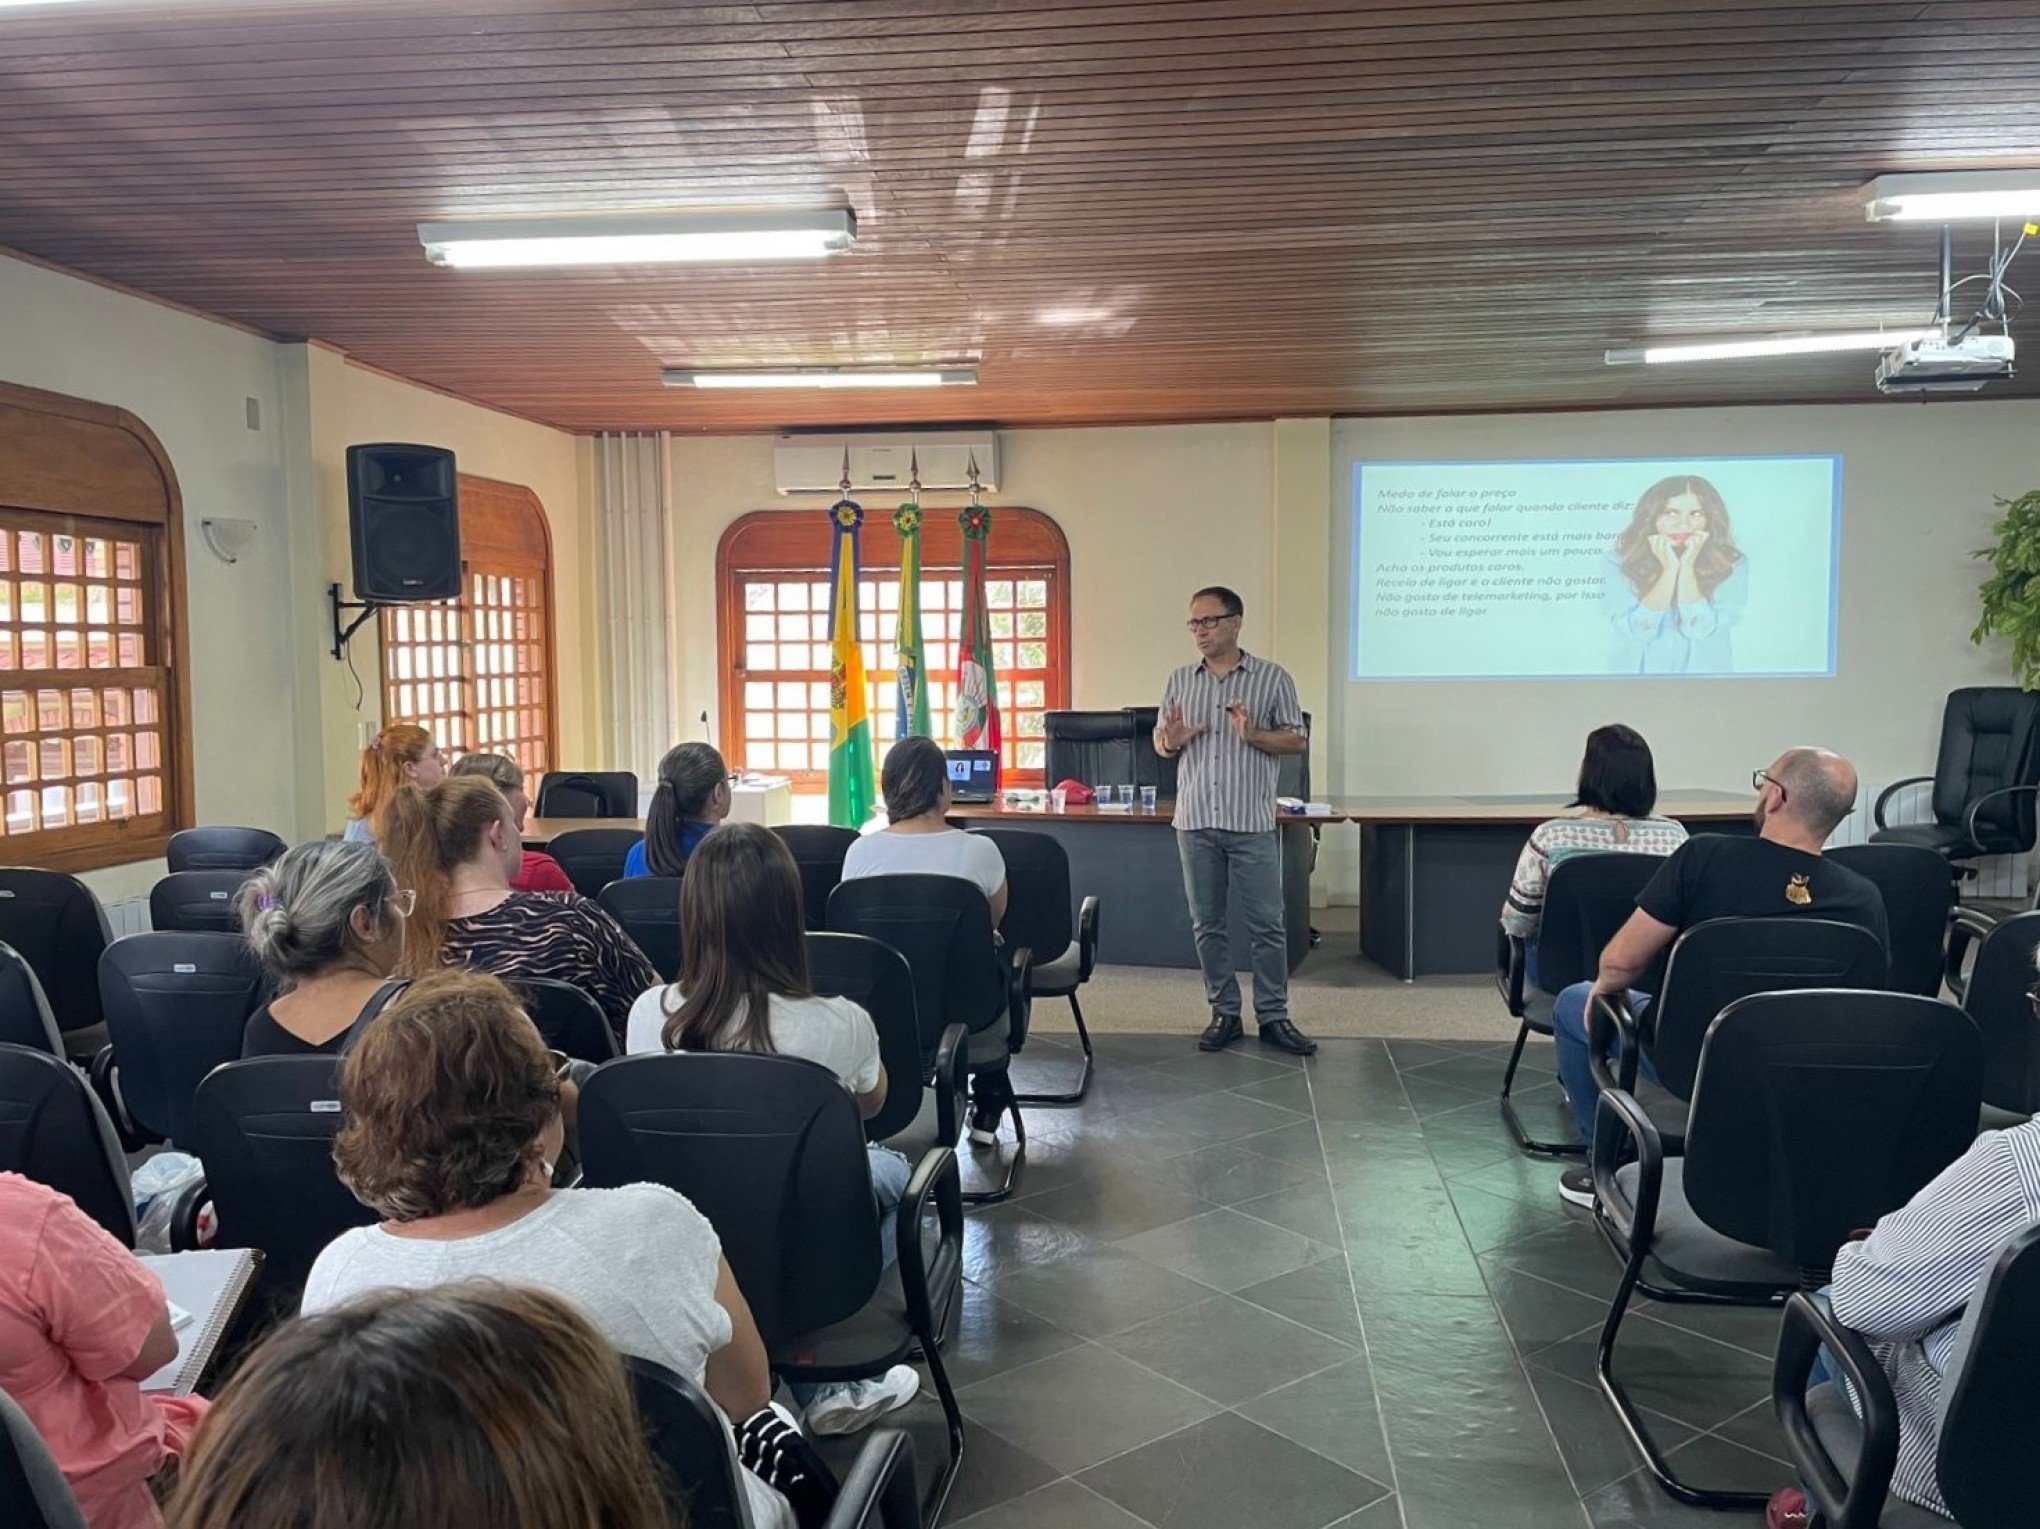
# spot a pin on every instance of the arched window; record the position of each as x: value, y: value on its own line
x: 477, y: 670
x: 772, y: 569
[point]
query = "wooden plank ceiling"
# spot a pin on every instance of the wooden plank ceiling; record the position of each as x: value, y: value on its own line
x: 1185, y: 209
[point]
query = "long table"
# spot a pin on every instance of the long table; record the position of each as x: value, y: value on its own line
x: 1434, y: 869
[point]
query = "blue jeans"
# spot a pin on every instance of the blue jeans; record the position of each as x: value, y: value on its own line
x: 889, y: 1175
x: 1221, y: 870
x: 1569, y: 1030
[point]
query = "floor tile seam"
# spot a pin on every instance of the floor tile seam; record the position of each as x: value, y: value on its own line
x: 1044, y: 1316
x: 1304, y: 1327
x: 983, y: 1513
x: 1717, y: 1432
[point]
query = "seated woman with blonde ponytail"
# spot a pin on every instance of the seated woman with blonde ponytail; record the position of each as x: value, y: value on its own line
x: 402, y: 754
x: 457, y: 846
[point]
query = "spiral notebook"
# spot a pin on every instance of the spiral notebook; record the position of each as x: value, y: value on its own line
x: 206, y: 1290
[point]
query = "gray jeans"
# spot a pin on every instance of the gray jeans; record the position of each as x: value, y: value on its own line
x: 1223, y: 870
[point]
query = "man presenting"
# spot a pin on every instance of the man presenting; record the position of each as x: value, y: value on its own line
x: 1227, y: 717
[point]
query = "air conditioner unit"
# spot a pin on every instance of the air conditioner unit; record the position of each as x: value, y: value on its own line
x: 881, y: 461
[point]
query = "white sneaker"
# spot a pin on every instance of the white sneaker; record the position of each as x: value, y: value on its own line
x: 856, y: 1405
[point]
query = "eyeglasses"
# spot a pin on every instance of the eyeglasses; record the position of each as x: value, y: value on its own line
x: 1762, y: 778
x: 562, y: 1063
x: 1208, y: 623
x: 402, y: 902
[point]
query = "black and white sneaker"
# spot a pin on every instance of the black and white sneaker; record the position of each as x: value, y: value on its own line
x: 984, y: 1122
x: 1576, y: 1187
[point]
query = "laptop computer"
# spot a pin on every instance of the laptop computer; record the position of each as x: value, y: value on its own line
x: 973, y: 774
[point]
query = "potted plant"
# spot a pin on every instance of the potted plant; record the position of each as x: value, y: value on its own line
x: 2011, y: 595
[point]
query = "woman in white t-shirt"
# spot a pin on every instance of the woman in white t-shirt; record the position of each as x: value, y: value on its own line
x: 917, y: 839
x: 744, y: 986
x: 453, y: 1126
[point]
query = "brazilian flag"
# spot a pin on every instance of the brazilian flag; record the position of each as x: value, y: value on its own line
x: 851, y: 784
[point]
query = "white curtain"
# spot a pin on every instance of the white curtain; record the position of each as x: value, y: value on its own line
x: 633, y: 500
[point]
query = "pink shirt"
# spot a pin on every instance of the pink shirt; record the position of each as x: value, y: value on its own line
x: 75, y: 1307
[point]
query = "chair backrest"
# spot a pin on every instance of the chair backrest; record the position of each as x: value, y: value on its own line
x: 648, y: 907
x: 222, y: 849
x: 33, y: 1492
x: 593, y: 857
x: 943, y: 926
x: 878, y: 980
x: 197, y: 900
x: 25, y: 1017
x: 1918, y: 896
x: 1586, y: 900
x: 689, y: 1438
x: 770, y: 1149
x: 567, y: 1017
x: 1149, y: 768
x: 1815, y: 1112
x: 264, y: 1128
x: 1095, y: 747
x: 587, y: 794
x: 1988, y: 1471
x: 177, y: 1005
x: 819, y: 851
x: 1990, y: 739
x: 1715, y: 963
x: 53, y: 1129
x: 1039, y: 914
x: 1999, y: 999
x: 59, y: 928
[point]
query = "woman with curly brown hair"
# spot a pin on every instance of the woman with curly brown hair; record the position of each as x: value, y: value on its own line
x: 467, y: 1406
x: 1676, y: 583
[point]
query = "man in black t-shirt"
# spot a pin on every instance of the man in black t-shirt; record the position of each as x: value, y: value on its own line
x: 1779, y: 874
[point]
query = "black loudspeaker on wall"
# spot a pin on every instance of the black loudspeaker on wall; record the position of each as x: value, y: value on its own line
x: 403, y: 515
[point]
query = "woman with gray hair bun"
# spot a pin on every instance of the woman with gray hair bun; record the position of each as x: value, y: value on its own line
x: 327, y: 921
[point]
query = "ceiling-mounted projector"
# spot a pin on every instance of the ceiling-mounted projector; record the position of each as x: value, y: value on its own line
x: 1937, y: 364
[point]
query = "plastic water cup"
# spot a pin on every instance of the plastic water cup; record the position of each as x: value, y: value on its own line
x: 1059, y: 798
x: 1147, y: 798
x: 1123, y: 794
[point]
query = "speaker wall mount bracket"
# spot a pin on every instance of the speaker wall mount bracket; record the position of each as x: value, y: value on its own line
x: 343, y: 635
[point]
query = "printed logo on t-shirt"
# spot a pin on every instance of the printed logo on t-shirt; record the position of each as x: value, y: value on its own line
x: 1797, y: 892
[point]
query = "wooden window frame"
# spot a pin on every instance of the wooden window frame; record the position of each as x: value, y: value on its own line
x: 782, y: 542
x: 70, y: 466
x: 504, y: 533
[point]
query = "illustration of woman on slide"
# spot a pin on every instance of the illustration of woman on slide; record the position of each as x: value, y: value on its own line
x: 1676, y: 582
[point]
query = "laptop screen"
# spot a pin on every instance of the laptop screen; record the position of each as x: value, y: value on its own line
x: 972, y: 774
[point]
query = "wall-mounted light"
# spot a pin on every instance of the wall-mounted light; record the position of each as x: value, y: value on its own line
x: 228, y: 540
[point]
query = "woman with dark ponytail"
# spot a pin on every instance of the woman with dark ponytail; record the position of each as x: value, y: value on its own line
x: 693, y: 796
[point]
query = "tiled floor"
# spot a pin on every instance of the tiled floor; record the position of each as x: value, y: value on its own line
x: 1239, y: 1292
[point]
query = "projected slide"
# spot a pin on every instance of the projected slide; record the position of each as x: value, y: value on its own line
x: 1497, y: 570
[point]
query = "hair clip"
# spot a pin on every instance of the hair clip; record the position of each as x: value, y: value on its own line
x: 265, y: 900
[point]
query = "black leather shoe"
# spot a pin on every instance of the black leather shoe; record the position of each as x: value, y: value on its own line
x: 1284, y: 1036
x: 1223, y: 1030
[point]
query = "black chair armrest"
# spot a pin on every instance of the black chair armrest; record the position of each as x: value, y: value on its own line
x: 184, y: 1216
x: 1611, y: 1024
x: 1510, y: 952
x: 951, y: 1081
x: 1975, y: 807
x: 878, y: 1490
x: 1965, y: 924
x: 1019, y: 1001
x: 1884, y: 796
x: 937, y: 1181
x: 1087, y: 938
x: 1618, y: 1116
x: 1855, y: 1502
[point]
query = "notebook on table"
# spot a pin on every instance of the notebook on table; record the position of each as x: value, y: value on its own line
x: 206, y: 1290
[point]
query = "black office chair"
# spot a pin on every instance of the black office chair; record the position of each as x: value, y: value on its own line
x: 197, y: 901
x: 1587, y: 899
x: 222, y: 849
x: 1150, y: 768
x: 819, y: 851
x: 25, y: 1017
x: 1095, y: 747
x: 770, y: 1149
x: 264, y: 1129
x: 943, y: 926
x: 1814, y: 1113
x: 177, y: 1006
x: 59, y: 928
x: 1918, y: 896
x: 593, y: 857
x: 33, y: 1491
x: 587, y: 794
x: 1985, y: 1466
x: 1711, y: 965
x: 923, y: 1101
x: 53, y: 1129
x: 567, y: 1018
x: 1995, y: 992
x: 648, y: 908
x: 1984, y: 778
x: 1038, y: 916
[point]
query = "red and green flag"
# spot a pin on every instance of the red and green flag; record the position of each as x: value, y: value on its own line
x: 852, y: 790
x: 908, y: 663
x: 977, y: 687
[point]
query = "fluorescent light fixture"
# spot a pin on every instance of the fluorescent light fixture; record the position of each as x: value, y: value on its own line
x: 639, y: 239
x: 825, y: 377
x: 1776, y: 345
x: 1948, y: 196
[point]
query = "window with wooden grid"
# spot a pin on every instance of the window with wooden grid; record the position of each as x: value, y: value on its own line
x: 94, y: 737
x: 774, y: 636
x: 476, y: 671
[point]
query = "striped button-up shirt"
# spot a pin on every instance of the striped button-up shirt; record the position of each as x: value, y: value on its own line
x: 1223, y: 781
x: 1906, y: 1287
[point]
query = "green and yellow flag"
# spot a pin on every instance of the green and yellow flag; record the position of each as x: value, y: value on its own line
x: 851, y: 786
x: 912, y: 713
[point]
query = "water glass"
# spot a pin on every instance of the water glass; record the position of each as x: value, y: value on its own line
x: 1123, y: 794
x: 1147, y: 798
x: 1060, y: 798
